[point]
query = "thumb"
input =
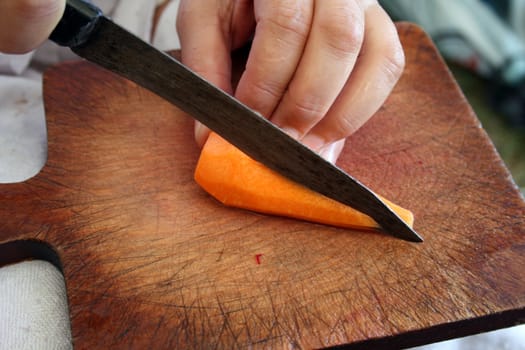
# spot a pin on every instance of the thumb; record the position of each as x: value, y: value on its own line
x: 25, y: 24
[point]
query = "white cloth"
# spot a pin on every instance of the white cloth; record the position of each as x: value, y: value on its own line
x: 14, y: 64
x: 33, y: 305
x: 33, y: 309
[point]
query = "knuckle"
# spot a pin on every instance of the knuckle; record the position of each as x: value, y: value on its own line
x: 261, y: 95
x: 345, y: 126
x: 289, y: 28
x: 289, y: 19
x: 393, y: 61
x: 267, y: 87
x: 307, y: 110
x: 343, y: 31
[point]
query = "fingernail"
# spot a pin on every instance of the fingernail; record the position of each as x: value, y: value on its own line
x: 201, y: 133
x: 329, y: 153
x: 291, y: 132
x: 314, y: 142
x: 332, y: 151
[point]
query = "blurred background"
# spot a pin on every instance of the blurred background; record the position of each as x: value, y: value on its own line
x: 483, y: 41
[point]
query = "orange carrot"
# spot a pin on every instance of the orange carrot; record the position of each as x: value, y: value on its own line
x: 236, y: 180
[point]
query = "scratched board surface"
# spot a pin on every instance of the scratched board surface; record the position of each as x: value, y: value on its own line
x: 151, y: 260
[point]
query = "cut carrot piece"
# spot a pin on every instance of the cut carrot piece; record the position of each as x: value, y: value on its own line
x: 236, y: 180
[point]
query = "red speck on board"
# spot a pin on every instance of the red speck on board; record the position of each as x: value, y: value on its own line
x: 258, y: 258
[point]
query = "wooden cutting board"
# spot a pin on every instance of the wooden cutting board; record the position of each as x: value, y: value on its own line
x: 150, y: 260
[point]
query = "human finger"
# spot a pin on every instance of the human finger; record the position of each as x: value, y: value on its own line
x: 282, y: 28
x: 376, y: 72
x: 204, y: 48
x: 329, y: 56
x: 25, y: 24
x: 208, y: 33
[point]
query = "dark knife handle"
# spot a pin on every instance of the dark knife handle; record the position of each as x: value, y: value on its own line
x: 78, y: 22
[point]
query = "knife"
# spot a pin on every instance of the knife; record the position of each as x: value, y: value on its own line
x: 93, y: 36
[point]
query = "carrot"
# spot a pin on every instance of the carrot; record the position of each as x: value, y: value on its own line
x: 236, y: 180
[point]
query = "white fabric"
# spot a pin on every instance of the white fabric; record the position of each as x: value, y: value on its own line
x: 14, y: 64
x: 33, y: 305
x: 22, y: 129
x: 165, y: 37
x: 33, y: 309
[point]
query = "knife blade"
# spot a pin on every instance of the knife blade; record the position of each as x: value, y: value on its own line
x: 87, y: 32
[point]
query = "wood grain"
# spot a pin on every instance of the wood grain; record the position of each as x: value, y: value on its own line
x: 150, y: 260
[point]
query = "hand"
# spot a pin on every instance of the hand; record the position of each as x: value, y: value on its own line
x: 319, y: 69
x: 25, y: 24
